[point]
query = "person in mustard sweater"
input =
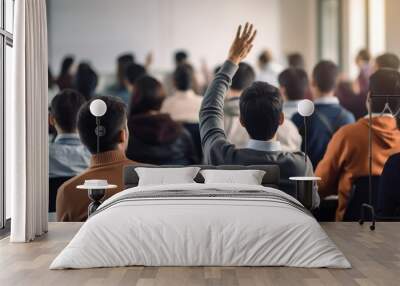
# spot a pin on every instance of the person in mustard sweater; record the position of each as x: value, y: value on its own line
x: 108, y: 164
x: 346, y: 157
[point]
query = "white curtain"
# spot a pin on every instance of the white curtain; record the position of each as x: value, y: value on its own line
x: 26, y: 123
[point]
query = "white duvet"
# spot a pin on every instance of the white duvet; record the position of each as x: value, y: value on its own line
x: 202, y: 231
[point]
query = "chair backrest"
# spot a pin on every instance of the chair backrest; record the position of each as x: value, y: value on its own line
x: 270, y: 179
x: 359, y: 196
x: 54, y: 184
x: 194, y: 131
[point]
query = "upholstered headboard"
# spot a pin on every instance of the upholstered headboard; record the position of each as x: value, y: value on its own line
x: 271, y: 177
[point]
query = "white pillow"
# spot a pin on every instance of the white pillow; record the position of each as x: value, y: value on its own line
x: 247, y: 177
x: 166, y: 176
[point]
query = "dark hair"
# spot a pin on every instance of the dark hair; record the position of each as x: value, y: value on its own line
x: 65, y: 79
x: 388, y: 60
x: 296, y: 60
x: 364, y: 55
x: 66, y: 65
x: 295, y: 82
x: 260, y: 109
x: 148, y: 96
x: 127, y: 58
x: 384, y: 82
x: 133, y: 72
x: 180, y: 57
x: 113, y: 121
x: 325, y: 75
x: 85, y: 80
x: 64, y: 108
x: 123, y: 61
x: 244, y: 77
x: 183, y: 77
x: 50, y: 79
x: 265, y: 57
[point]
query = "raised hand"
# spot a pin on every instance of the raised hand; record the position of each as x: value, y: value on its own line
x: 149, y: 59
x: 242, y: 44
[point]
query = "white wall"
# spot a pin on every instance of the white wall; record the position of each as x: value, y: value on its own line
x: 99, y: 30
x: 298, y: 29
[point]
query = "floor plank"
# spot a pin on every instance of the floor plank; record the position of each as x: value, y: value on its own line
x: 375, y: 257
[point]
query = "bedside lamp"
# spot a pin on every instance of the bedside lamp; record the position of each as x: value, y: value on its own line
x: 98, y: 108
x: 97, y: 188
x: 304, y: 185
x: 305, y: 109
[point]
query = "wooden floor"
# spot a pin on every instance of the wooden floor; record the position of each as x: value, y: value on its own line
x: 375, y: 257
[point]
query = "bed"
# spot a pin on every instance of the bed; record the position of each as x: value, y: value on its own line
x: 201, y: 224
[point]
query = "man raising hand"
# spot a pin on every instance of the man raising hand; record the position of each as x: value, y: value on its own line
x: 260, y: 114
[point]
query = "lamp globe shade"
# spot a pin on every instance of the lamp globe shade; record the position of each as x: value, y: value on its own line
x: 305, y: 107
x: 98, y: 107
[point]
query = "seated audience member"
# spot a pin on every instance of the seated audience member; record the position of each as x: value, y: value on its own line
x: 184, y: 105
x: 67, y: 156
x: 346, y: 157
x: 132, y: 73
x: 363, y: 62
x: 155, y: 138
x: 328, y: 116
x: 260, y: 113
x: 352, y: 95
x: 118, y: 88
x: 108, y: 164
x: 287, y: 133
x: 66, y: 75
x: 86, y: 80
x: 296, y: 60
x: 181, y: 58
x: 293, y: 83
x: 387, y: 60
x: 268, y: 69
x: 52, y: 86
x: 388, y: 194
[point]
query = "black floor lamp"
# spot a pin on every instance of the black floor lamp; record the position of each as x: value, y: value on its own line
x: 369, y: 206
x: 304, y: 185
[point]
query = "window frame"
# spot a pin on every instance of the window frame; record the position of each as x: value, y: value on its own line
x: 6, y: 39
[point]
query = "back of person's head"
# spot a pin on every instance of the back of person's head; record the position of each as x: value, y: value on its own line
x: 388, y: 60
x: 243, y: 78
x: 296, y: 60
x: 134, y: 71
x: 325, y: 75
x: 261, y: 110
x: 264, y: 58
x: 114, y: 122
x: 382, y: 83
x: 64, y: 109
x: 125, y: 59
x: 148, y: 96
x: 183, y: 77
x: 363, y: 56
x: 66, y: 65
x: 295, y: 83
x: 50, y: 79
x: 86, y: 80
x: 181, y: 57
